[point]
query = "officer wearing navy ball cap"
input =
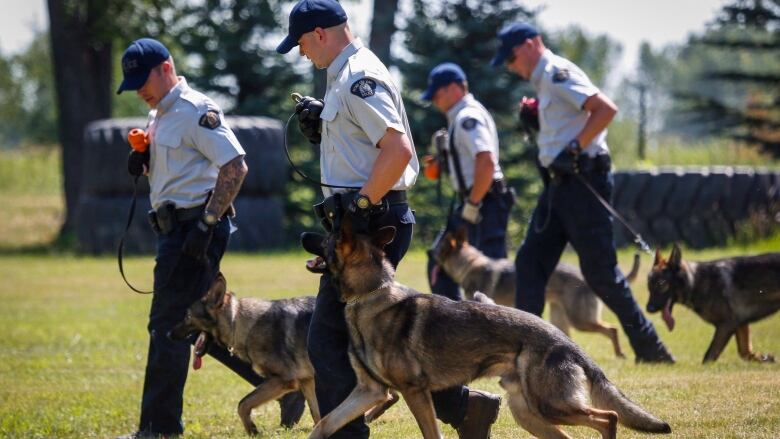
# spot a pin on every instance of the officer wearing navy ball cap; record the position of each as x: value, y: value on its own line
x: 572, y: 140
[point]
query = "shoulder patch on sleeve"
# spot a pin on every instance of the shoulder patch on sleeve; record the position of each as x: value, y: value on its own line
x: 561, y: 75
x: 363, y: 88
x: 469, y: 123
x: 210, y: 120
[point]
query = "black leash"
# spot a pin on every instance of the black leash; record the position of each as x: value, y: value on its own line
x: 297, y: 97
x: 641, y: 244
x: 124, y: 235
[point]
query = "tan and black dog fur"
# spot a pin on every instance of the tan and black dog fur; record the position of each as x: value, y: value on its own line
x: 417, y: 343
x: 572, y: 302
x: 729, y: 293
x: 270, y: 335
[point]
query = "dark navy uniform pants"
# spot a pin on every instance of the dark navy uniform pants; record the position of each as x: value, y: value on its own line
x: 178, y: 282
x: 575, y: 216
x: 488, y: 236
x: 329, y: 339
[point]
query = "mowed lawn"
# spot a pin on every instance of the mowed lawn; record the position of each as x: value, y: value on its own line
x: 73, y: 347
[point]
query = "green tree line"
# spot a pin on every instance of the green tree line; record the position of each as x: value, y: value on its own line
x: 67, y: 75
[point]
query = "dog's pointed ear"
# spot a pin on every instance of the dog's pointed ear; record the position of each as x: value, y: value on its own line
x: 383, y: 236
x: 312, y: 243
x: 676, y: 257
x: 461, y: 235
x: 216, y: 293
x: 658, y: 258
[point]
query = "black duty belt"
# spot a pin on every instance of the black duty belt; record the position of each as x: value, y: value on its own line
x: 190, y: 213
x: 330, y: 210
x: 396, y: 197
x: 498, y: 187
x: 601, y: 163
x: 165, y: 218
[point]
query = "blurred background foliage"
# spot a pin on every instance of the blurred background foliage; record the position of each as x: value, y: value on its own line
x: 714, y: 99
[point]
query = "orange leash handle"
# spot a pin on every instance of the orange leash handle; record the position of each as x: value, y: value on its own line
x: 138, y: 140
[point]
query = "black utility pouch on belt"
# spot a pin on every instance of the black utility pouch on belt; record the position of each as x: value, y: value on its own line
x: 163, y: 220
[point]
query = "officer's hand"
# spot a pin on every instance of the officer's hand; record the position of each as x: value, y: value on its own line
x: 529, y: 115
x: 197, y: 241
x: 471, y: 213
x: 308, y: 110
x: 360, y: 217
x: 138, y: 163
x: 565, y: 163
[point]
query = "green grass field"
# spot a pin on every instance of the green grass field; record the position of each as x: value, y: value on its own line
x: 73, y: 340
x: 73, y: 345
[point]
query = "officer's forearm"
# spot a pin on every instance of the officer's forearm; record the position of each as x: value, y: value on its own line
x: 396, y: 151
x: 602, y: 111
x: 483, y: 176
x: 231, y: 176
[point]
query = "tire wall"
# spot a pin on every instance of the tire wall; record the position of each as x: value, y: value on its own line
x: 701, y: 207
x: 107, y: 188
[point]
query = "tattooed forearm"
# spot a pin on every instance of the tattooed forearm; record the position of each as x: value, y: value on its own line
x: 229, y: 180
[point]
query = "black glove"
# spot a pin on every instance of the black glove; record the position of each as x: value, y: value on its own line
x: 136, y: 162
x: 360, y: 217
x: 308, y: 110
x: 529, y: 115
x: 566, y: 162
x: 197, y: 241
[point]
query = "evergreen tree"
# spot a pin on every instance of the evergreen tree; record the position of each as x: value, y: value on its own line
x: 465, y: 32
x: 234, y: 47
x: 735, y: 90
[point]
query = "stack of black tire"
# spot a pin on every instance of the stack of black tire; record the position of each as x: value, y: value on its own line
x: 107, y: 188
x: 700, y: 207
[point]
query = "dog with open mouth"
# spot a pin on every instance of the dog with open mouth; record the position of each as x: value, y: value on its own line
x: 417, y: 343
x: 728, y: 293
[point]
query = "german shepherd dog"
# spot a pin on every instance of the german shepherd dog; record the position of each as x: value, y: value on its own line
x: 270, y: 335
x: 572, y: 302
x: 417, y: 343
x: 729, y: 293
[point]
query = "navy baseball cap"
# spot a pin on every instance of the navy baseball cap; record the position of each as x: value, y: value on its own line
x: 512, y: 35
x: 441, y: 75
x: 138, y: 60
x: 307, y: 15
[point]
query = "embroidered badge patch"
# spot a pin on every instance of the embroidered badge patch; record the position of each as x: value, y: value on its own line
x: 363, y: 88
x: 561, y: 75
x: 210, y: 120
x: 469, y: 123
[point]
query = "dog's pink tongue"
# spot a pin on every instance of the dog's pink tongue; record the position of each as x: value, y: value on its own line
x: 197, y: 359
x: 315, y: 263
x: 667, y: 315
x: 434, y: 274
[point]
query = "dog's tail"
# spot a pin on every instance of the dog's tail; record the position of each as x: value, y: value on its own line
x: 631, y: 277
x: 606, y: 395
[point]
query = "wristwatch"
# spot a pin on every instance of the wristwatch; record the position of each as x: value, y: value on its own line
x: 210, y: 218
x: 574, y: 146
x: 363, y: 202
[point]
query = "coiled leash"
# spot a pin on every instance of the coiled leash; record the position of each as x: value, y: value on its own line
x: 296, y: 97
